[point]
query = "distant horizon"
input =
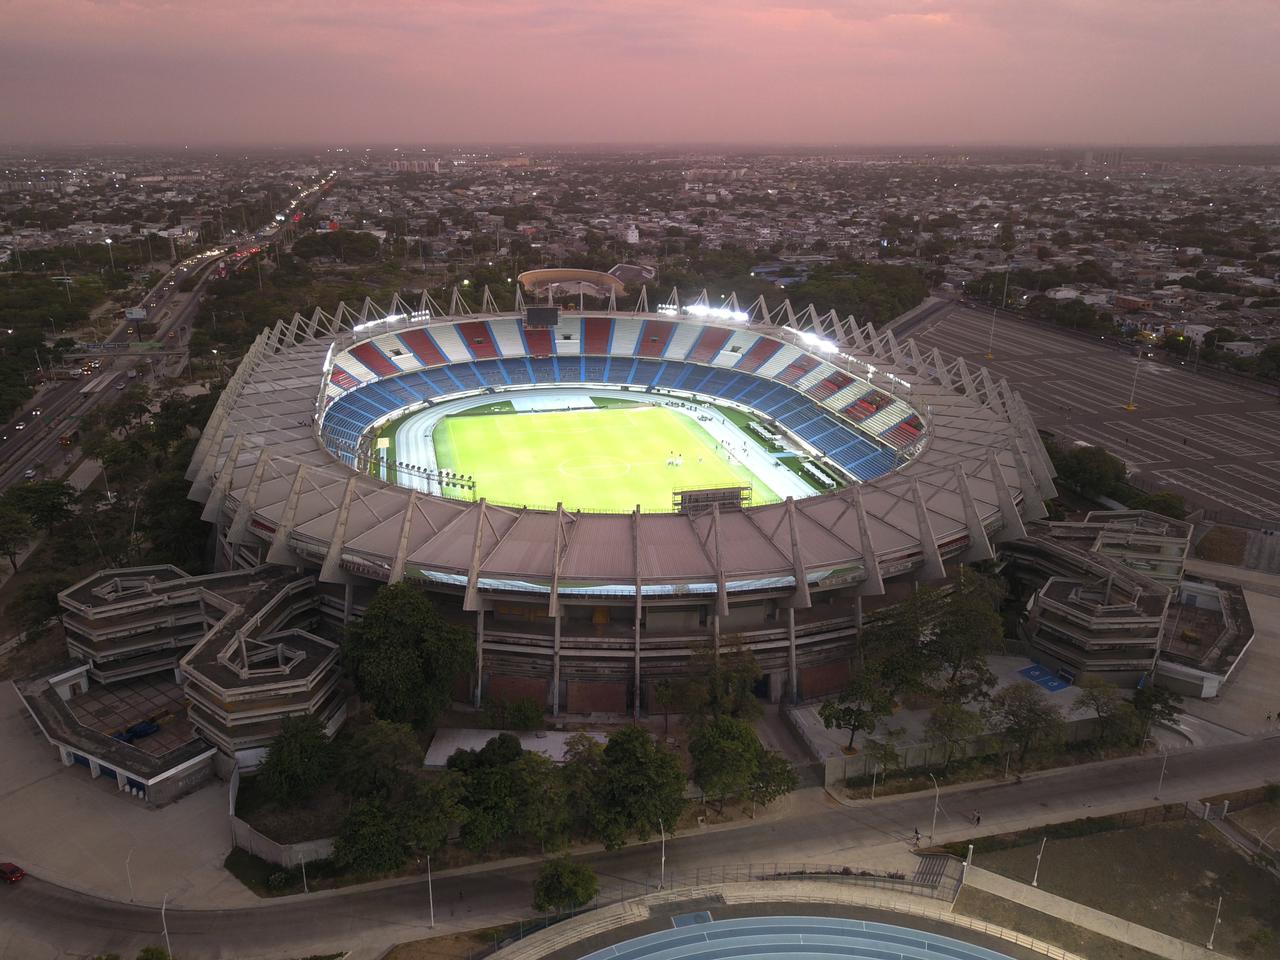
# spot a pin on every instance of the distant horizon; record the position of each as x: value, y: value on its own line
x: 1055, y: 74
x: 623, y: 146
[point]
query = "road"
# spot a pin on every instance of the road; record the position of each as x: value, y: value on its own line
x: 62, y: 402
x: 38, y: 919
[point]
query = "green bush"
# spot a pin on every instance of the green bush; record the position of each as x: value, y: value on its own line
x: 563, y: 884
x: 280, y: 880
x: 523, y: 714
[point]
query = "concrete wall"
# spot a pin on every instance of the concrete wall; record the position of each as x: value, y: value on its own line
x: 917, y: 755
x: 284, y: 854
x: 606, y: 696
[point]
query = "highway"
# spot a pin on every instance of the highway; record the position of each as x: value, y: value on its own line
x: 62, y: 402
x: 38, y: 919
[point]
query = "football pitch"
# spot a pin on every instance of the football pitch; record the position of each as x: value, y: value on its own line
x: 608, y: 458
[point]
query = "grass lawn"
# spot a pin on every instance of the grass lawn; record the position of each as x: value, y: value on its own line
x: 1167, y: 876
x: 601, y: 459
x: 1014, y: 916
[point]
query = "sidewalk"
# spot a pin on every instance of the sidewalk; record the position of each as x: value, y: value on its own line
x: 1125, y: 931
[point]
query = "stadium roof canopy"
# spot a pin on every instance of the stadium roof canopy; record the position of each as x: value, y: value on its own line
x: 561, y: 281
x: 261, y: 468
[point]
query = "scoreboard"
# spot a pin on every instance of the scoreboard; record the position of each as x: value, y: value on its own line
x: 541, y: 317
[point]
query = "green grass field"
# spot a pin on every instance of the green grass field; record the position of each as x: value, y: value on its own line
x: 604, y: 459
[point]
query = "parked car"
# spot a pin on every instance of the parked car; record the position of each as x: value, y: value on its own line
x: 11, y: 872
x: 144, y: 728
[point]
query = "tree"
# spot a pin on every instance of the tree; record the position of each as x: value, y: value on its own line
x: 583, y: 776
x: 968, y: 628
x: 664, y: 696
x: 1156, y: 705
x: 641, y: 788
x: 370, y: 840
x: 36, y: 602
x: 773, y: 778
x: 1091, y: 471
x: 379, y: 760
x: 860, y: 707
x: 1163, y: 502
x: 153, y: 953
x: 15, y: 533
x: 43, y: 502
x: 952, y: 725
x: 883, y: 753
x: 404, y: 657
x: 298, y: 761
x: 491, y: 797
x: 563, y: 884
x: 720, y: 682
x: 726, y: 755
x: 1102, y: 699
x: 1023, y: 716
x: 430, y: 814
x: 542, y: 813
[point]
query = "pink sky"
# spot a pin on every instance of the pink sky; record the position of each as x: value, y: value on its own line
x: 744, y: 71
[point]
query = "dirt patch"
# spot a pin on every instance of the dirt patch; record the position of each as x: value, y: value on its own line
x: 459, y: 946
x: 1223, y: 545
x: 1165, y: 876
x: 320, y: 816
x: 1013, y: 916
x: 1259, y: 820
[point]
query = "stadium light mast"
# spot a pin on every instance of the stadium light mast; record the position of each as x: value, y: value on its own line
x: 1133, y: 390
x: 1004, y: 297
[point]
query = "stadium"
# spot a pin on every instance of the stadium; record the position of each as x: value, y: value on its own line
x: 599, y: 493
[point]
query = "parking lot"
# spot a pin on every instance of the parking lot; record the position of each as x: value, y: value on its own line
x: 1215, y: 443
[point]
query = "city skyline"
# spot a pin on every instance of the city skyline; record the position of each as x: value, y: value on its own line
x: 910, y: 72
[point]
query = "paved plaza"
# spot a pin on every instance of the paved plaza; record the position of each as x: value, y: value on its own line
x: 1216, y: 443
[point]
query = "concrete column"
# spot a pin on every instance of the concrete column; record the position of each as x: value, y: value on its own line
x: 348, y: 601
x: 635, y: 691
x: 555, y: 666
x: 66, y: 756
x: 95, y: 771
x: 857, y: 611
x: 791, y: 655
x: 479, y: 653
x: 121, y: 781
x: 177, y: 674
x: 715, y: 631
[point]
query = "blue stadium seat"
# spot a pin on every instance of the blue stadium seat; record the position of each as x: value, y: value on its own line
x: 349, y: 416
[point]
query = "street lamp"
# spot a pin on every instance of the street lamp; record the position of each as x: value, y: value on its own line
x: 165, y: 925
x: 1035, y: 880
x: 1164, y: 762
x: 934, y: 825
x: 129, y: 873
x: 431, y: 896
x: 1217, y: 919
x: 1134, y: 389
x: 110, y: 254
x: 662, y: 869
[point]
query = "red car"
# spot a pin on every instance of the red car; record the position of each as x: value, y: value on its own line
x: 11, y: 872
